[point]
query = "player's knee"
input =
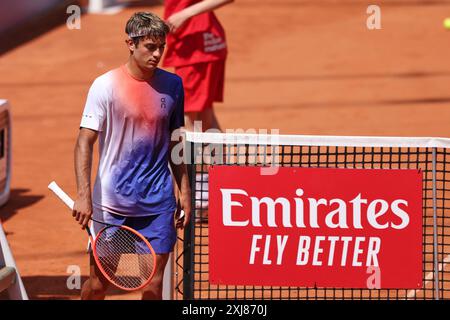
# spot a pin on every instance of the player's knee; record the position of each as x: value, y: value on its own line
x: 157, y: 279
x: 190, y: 118
x: 153, y: 291
x: 208, y: 119
x: 154, y: 286
x: 96, y: 286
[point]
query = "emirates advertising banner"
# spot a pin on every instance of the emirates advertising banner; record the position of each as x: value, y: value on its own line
x: 343, y: 228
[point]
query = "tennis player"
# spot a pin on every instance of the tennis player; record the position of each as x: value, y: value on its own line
x: 133, y: 110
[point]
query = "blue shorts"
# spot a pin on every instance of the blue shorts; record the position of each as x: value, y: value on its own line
x: 158, y: 229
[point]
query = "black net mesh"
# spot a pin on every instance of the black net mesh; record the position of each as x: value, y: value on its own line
x: 191, y: 253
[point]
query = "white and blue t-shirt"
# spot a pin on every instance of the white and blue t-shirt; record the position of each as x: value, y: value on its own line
x: 135, y: 119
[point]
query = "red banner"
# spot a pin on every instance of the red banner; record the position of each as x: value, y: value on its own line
x: 348, y: 228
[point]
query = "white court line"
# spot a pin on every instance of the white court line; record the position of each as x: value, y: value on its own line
x: 429, y: 277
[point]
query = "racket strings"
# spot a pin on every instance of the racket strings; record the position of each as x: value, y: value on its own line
x: 124, y: 257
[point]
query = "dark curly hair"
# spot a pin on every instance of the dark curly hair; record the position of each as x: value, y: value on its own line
x: 145, y: 24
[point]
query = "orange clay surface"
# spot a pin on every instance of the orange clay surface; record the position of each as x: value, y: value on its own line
x: 303, y: 67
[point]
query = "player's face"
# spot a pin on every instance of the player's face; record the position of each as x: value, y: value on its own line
x: 148, y: 52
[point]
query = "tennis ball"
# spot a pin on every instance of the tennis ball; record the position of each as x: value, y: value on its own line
x: 447, y: 23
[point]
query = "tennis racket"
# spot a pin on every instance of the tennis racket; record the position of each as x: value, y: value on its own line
x: 123, y: 255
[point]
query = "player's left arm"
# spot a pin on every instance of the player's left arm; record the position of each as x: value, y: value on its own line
x: 180, y: 173
x: 177, y: 20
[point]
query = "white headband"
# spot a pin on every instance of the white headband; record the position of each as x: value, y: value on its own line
x: 135, y: 35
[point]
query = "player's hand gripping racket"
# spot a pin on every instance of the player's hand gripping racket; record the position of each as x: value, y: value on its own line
x: 122, y: 254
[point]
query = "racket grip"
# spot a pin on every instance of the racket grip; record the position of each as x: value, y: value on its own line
x: 61, y: 194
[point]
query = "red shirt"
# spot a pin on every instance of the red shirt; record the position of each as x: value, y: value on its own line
x: 200, y: 39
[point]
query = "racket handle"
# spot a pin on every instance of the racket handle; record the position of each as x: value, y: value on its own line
x: 61, y: 194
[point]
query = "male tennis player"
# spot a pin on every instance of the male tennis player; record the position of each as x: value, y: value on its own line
x: 133, y: 111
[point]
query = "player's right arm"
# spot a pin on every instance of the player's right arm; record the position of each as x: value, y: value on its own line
x: 82, y: 209
x: 92, y: 121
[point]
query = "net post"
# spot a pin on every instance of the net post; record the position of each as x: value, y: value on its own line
x: 188, y: 243
x: 435, y: 237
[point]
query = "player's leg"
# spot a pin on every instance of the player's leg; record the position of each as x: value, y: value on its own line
x: 153, y: 291
x: 160, y: 232
x: 214, y: 80
x: 95, y: 287
x: 195, y: 93
x: 203, y: 85
x: 209, y: 119
x: 189, y: 120
x: 213, y: 86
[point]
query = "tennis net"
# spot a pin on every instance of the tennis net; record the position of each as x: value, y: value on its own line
x: 430, y: 155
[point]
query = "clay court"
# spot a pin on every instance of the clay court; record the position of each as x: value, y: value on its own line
x: 300, y: 67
